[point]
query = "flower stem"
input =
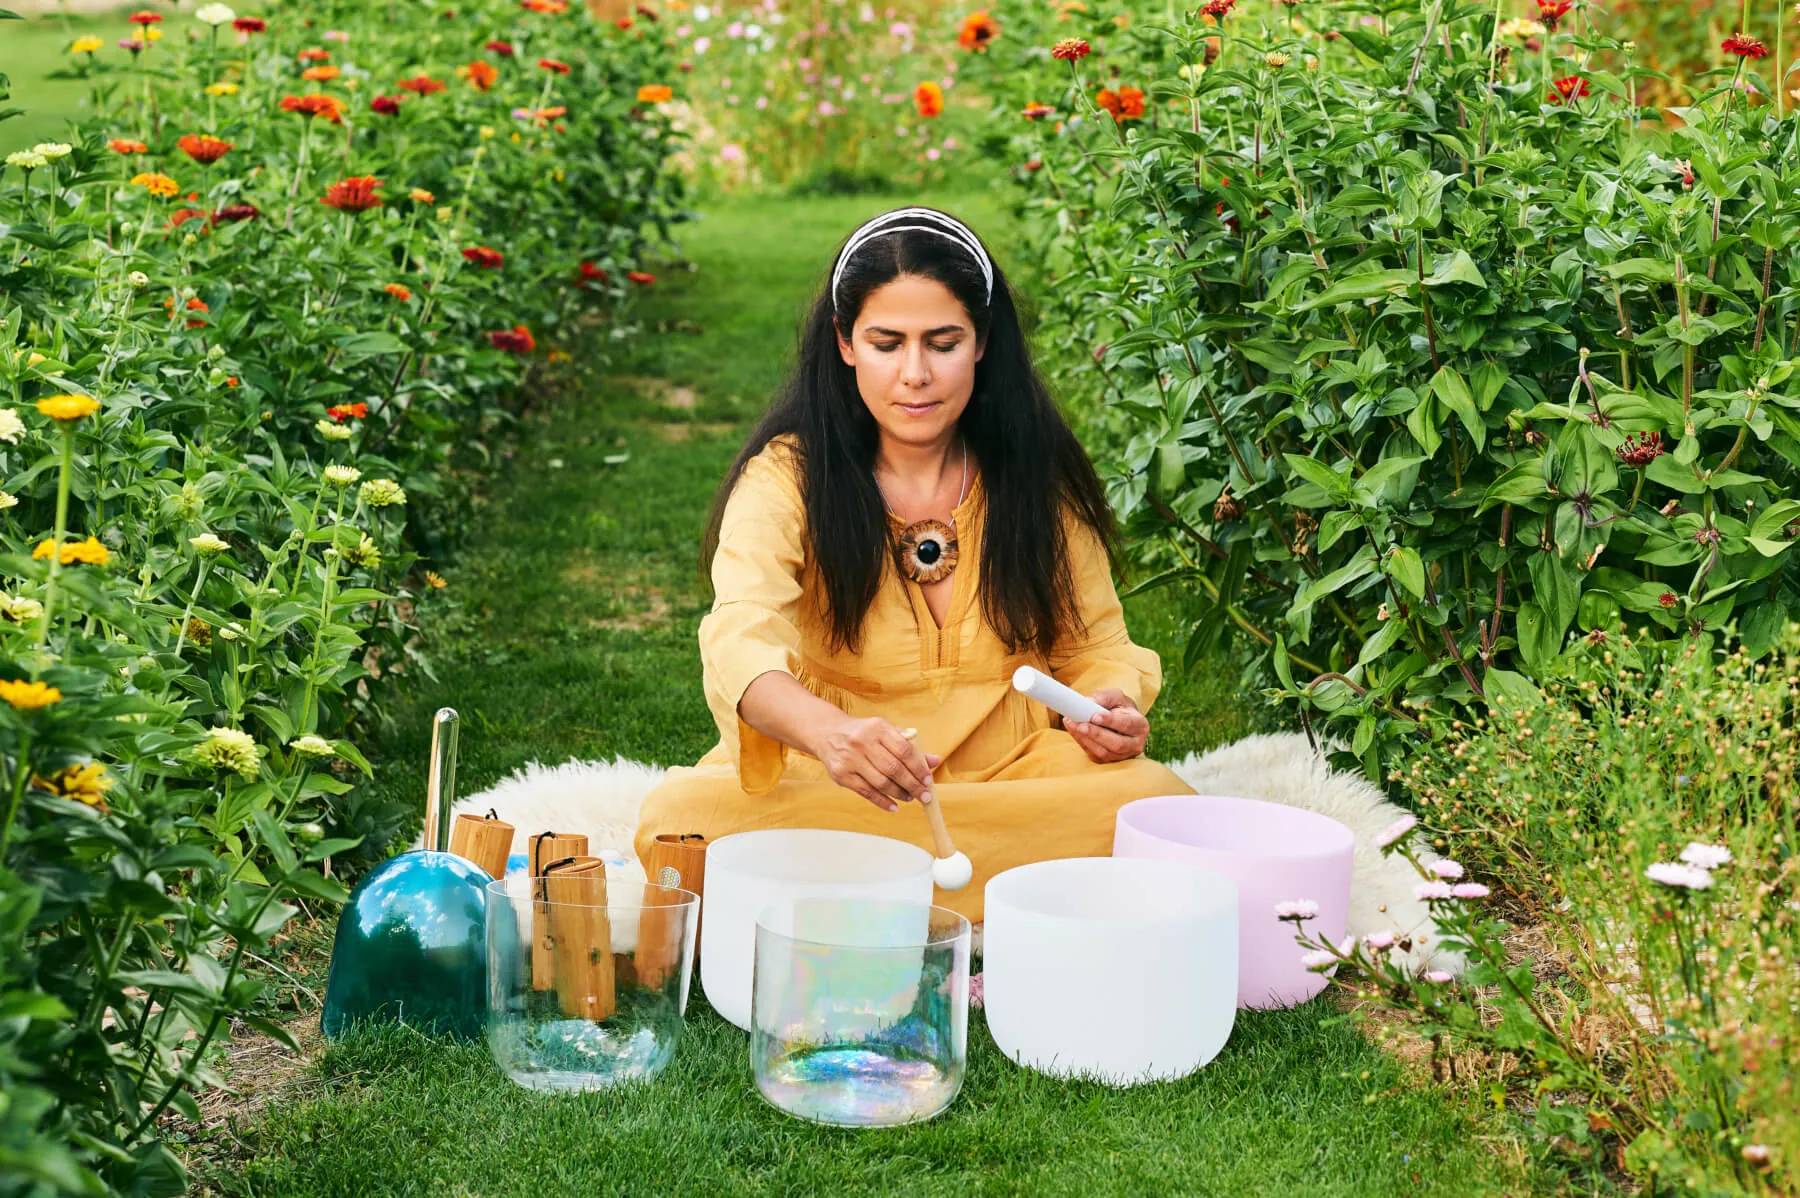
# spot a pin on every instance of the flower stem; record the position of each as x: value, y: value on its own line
x: 21, y: 772
x: 62, y: 525
x: 181, y: 637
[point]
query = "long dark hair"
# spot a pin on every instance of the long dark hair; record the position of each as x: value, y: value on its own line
x: 1032, y: 468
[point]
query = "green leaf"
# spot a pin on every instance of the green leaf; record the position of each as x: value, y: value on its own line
x: 1449, y: 386
x: 1421, y: 422
x: 1507, y: 688
x: 1406, y: 567
x: 1455, y: 268
x: 1362, y: 287
x: 1761, y: 627
x: 1521, y: 484
x: 1672, y: 474
x: 1318, y: 473
x: 1539, y: 642
x: 371, y: 343
x: 274, y: 837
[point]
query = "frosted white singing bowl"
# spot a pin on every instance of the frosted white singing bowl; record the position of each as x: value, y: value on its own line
x: 1275, y: 854
x: 1121, y: 970
x: 749, y: 871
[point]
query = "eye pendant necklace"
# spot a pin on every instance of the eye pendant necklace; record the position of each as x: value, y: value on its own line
x: 927, y: 549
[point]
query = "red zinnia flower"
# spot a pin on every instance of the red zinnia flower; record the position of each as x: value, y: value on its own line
x: 623, y: 22
x: 127, y: 145
x: 1569, y: 89
x: 515, y: 340
x: 348, y: 411
x: 1744, y: 46
x: 313, y: 54
x: 640, y: 277
x: 1217, y: 9
x: 1035, y: 111
x: 589, y: 273
x: 181, y: 216
x: 551, y: 64
x: 203, y: 148
x: 250, y: 25
x: 503, y: 49
x: 928, y: 99
x: 553, y: 7
x: 399, y: 291
x: 354, y: 194
x: 1552, y: 11
x: 481, y: 255
x: 1070, y: 49
x: 231, y: 213
x: 386, y: 105
x: 144, y: 17
x: 1667, y: 599
x: 1640, y: 449
x: 316, y: 104
x: 423, y: 84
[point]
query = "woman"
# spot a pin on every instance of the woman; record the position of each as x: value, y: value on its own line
x: 910, y: 523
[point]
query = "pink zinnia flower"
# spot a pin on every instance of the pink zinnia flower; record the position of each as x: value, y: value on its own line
x: 1317, y: 960
x: 1705, y: 856
x: 1379, y: 940
x: 1469, y: 890
x: 1296, y: 909
x: 1447, y: 869
x: 1438, y: 976
x: 1432, y: 891
x: 1396, y: 830
x: 977, y: 991
x: 1679, y: 875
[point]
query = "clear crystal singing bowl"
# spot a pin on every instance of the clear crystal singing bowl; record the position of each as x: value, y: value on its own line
x: 859, y: 1016
x: 586, y: 985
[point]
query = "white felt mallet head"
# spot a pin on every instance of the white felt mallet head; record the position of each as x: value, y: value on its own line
x: 950, y: 869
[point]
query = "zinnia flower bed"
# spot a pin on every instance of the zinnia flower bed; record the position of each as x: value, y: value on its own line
x: 246, y: 375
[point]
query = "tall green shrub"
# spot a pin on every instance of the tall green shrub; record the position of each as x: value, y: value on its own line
x: 1424, y: 352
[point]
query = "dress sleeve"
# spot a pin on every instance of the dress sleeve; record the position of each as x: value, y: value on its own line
x: 1105, y: 656
x: 753, y: 627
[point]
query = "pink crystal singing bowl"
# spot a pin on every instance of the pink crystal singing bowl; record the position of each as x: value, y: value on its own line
x: 1274, y: 853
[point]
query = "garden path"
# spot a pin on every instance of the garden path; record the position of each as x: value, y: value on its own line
x: 579, y: 600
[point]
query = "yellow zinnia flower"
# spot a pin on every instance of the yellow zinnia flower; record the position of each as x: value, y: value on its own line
x: 221, y: 88
x: 89, y: 552
x: 28, y: 696
x: 84, y: 783
x: 68, y: 408
x: 156, y: 184
x: 86, y: 45
x: 151, y: 34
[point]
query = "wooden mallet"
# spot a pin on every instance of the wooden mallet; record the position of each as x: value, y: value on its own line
x: 951, y: 869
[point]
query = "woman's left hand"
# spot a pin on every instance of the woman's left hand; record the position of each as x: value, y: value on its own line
x: 1116, y: 734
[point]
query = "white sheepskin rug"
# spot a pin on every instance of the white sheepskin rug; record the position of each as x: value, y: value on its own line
x: 602, y: 798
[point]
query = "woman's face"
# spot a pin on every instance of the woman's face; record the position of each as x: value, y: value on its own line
x: 914, y: 351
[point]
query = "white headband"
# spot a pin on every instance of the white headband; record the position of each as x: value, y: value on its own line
x: 943, y: 226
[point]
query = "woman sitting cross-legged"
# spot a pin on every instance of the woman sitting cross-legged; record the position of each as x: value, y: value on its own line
x: 911, y: 522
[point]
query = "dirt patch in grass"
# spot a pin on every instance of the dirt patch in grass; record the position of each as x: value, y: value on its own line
x: 653, y: 614
x: 658, y: 390
x: 684, y: 430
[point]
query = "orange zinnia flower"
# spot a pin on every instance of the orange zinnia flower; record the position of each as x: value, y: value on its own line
x: 314, y: 54
x: 1070, y: 49
x: 553, y: 7
x: 655, y: 93
x: 127, y: 145
x: 194, y: 304
x: 320, y: 74
x: 481, y: 255
x: 399, y: 291
x: 1035, y: 111
x: 315, y: 104
x: 203, y: 148
x: 145, y: 17
x: 481, y: 74
x: 551, y: 64
x: 641, y: 278
x: 423, y: 84
x: 1126, y: 104
x: 978, y: 29
x: 928, y: 98
x: 156, y: 184
x: 354, y: 194
x: 348, y: 411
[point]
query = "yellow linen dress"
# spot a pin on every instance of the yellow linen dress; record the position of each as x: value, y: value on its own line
x: 1015, y: 787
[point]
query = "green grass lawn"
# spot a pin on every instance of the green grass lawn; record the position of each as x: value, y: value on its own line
x: 580, y: 598
x: 29, y: 51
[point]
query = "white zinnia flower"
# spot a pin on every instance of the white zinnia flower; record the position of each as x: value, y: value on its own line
x: 8, y: 500
x: 1679, y: 875
x: 52, y: 150
x: 1296, y: 909
x: 341, y: 476
x: 208, y: 544
x: 214, y: 14
x: 313, y: 746
x: 11, y: 427
x: 332, y: 431
x: 1706, y: 856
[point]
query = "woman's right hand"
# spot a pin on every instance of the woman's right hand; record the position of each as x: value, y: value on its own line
x: 876, y: 760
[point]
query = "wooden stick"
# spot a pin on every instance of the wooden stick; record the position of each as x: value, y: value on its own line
x: 547, y: 848
x: 934, y: 814
x: 673, y: 860
x: 579, y: 937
